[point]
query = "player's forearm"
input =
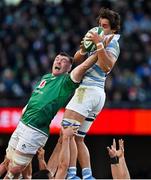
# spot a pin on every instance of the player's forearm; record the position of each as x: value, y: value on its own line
x: 105, y: 60
x: 64, y: 159
x: 73, y: 152
x: 64, y: 156
x: 120, y: 170
x: 80, y: 70
x: 123, y: 170
x: 42, y: 164
x: 78, y: 57
x: 53, y: 161
x: 114, y: 171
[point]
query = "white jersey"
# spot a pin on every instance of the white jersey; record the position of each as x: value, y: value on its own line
x: 95, y: 75
x: 89, y: 97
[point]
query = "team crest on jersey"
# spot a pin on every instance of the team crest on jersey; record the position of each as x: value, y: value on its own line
x: 42, y: 84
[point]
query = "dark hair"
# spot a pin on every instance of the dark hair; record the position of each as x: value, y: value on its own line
x: 67, y: 55
x: 112, y: 16
x: 42, y: 174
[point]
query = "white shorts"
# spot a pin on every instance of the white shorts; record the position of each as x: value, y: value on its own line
x: 87, y: 101
x: 26, y: 139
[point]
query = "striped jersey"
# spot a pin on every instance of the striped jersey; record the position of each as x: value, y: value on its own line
x: 95, y: 75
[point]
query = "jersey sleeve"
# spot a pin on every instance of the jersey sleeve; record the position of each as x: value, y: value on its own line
x: 70, y: 83
x: 113, y: 47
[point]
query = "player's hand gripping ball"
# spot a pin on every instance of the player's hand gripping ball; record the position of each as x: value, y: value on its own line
x: 89, y: 45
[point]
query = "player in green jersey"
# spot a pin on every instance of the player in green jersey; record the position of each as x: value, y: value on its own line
x: 50, y: 94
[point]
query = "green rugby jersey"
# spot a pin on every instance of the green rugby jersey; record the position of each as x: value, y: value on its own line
x: 50, y: 94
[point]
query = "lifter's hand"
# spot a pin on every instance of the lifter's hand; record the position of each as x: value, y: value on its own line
x: 67, y: 131
x: 79, y: 56
x: 96, y: 38
x: 41, y: 153
x: 82, y: 48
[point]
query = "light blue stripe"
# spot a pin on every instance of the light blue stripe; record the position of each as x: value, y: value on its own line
x: 95, y: 78
x: 99, y: 70
x: 113, y: 47
x: 93, y: 84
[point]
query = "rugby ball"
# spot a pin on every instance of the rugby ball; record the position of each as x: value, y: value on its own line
x: 89, y: 45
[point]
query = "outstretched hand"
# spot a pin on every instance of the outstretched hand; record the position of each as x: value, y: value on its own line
x: 113, y: 149
x: 41, y: 153
x: 82, y: 48
x: 68, y: 131
x: 96, y: 38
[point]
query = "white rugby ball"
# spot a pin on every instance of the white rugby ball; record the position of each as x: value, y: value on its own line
x: 89, y: 45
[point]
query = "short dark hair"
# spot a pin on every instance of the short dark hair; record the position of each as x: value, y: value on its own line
x: 67, y: 55
x: 112, y: 16
x: 42, y: 174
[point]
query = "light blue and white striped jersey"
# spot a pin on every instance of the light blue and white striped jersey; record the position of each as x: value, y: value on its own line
x: 95, y: 75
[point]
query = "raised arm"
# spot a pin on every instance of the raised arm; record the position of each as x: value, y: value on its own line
x: 78, y: 72
x: 80, y: 55
x: 53, y: 161
x: 64, y: 157
x: 123, y: 167
x: 27, y: 172
x: 119, y: 168
x: 41, y: 159
x: 106, y: 59
x: 73, y: 152
x: 72, y: 170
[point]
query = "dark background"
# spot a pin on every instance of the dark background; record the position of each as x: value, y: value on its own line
x: 137, y: 154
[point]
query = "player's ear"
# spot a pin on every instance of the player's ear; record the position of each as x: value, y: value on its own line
x: 69, y: 68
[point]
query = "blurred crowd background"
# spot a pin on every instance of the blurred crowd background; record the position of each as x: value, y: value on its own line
x: 33, y: 32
